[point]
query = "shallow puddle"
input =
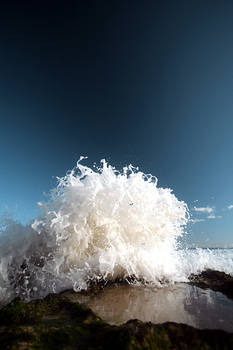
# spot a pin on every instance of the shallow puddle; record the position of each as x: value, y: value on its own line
x: 180, y: 303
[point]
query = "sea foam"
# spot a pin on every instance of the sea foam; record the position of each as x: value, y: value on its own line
x: 98, y: 224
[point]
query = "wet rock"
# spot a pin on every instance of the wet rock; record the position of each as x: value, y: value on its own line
x: 56, y: 322
x: 215, y: 280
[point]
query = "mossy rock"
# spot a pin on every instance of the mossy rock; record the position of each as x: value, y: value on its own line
x: 215, y: 280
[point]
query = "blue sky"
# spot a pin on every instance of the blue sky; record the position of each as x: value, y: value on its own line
x: 143, y: 83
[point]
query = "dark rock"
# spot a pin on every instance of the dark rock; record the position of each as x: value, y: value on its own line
x: 215, y: 280
x: 57, y: 323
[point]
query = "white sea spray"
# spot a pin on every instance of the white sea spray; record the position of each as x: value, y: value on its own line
x: 99, y: 223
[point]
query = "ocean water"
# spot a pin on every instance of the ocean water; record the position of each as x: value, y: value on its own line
x: 101, y: 224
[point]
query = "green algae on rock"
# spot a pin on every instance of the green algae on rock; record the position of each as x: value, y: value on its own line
x: 56, y: 322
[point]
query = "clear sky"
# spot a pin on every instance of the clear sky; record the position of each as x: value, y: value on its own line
x: 142, y: 82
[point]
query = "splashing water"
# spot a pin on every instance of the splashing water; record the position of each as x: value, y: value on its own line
x: 99, y: 223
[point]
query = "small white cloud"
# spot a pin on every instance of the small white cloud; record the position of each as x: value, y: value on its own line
x: 214, y: 217
x: 204, y: 209
x: 230, y: 207
x: 211, y: 217
x: 194, y: 221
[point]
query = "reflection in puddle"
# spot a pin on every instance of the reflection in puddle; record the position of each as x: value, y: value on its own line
x: 180, y: 303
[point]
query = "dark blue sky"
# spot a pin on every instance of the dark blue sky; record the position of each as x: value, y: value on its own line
x: 148, y: 83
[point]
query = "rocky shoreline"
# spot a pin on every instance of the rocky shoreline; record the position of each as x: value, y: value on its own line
x: 57, y: 322
x: 215, y: 280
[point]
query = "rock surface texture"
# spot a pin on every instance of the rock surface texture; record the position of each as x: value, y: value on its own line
x: 215, y: 280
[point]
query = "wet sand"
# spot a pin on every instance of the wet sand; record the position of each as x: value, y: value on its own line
x: 181, y: 303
